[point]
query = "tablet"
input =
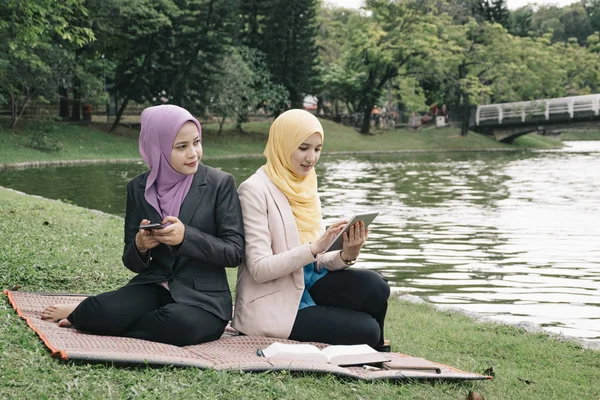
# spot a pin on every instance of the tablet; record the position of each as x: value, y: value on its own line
x: 338, y: 240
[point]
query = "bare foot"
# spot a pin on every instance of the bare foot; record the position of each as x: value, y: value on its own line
x: 58, y: 312
x: 64, y: 323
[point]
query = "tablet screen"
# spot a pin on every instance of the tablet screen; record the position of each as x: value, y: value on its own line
x: 338, y: 241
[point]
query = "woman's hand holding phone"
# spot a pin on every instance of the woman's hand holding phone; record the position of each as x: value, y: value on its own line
x: 173, y: 232
x: 144, y: 240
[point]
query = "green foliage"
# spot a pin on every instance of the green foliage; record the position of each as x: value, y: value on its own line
x: 402, y: 53
x: 263, y: 93
x: 31, y: 54
x: 234, y: 86
x: 188, y: 61
x: 492, y: 11
x: 285, y: 32
x: 521, y: 21
x: 394, y: 41
x: 41, y: 133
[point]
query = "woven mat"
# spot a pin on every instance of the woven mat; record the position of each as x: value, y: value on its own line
x: 230, y: 352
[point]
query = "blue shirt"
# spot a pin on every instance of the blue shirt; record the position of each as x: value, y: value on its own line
x: 310, y: 277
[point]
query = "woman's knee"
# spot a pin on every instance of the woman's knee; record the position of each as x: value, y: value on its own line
x: 96, y: 316
x: 191, y: 328
x: 376, y: 286
x: 368, y: 332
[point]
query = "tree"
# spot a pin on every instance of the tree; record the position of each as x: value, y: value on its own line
x: 28, y: 57
x: 140, y: 31
x: 289, y: 45
x: 493, y: 11
x: 333, y: 81
x: 475, y: 56
x: 264, y: 94
x: 499, y: 12
x: 520, y: 21
x: 592, y: 8
x: 284, y: 31
x: 576, y: 23
x: 235, y: 85
x: 244, y: 85
x: 395, y: 40
x: 200, y: 37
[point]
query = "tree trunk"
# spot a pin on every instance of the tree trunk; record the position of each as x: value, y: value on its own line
x: 464, y: 130
x: 63, y: 112
x: 119, y: 114
x: 221, y: 122
x: 241, y: 118
x: 76, y: 113
x: 13, y: 112
x: 365, y: 128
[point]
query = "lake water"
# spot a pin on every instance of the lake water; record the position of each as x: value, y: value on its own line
x: 512, y: 236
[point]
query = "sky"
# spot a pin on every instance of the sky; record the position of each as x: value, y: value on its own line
x: 512, y: 4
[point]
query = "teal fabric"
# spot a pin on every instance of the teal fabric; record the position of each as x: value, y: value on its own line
x: 310, y: 277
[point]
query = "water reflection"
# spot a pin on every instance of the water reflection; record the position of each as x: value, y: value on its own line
x: 512, y: 236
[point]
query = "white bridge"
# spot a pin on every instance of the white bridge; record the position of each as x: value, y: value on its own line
x: 507, y: 121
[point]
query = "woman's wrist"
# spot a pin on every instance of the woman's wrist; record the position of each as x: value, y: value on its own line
x: 347, y: 262
x: 141, y: 249
x: 310, y: 247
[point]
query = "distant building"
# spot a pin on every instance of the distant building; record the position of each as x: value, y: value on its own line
x: 310, y: 104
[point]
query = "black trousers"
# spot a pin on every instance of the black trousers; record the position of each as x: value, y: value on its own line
x: 351, y: 308
x: 146, y: 311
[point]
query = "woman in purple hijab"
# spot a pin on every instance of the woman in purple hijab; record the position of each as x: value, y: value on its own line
x: 180, y: 294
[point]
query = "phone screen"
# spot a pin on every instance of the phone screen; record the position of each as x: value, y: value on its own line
x: 152, y: 226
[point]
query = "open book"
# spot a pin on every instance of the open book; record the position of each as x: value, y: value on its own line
x: 359, y: 354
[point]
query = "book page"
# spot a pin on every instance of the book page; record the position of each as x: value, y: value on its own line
x: 275, y: 349
x: 332, y: 351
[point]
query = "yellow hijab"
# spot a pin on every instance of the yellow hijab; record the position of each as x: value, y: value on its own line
x: 287, y: 133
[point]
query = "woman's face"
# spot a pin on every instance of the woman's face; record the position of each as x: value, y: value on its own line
x: 306, y: 155
x: 187, y: 149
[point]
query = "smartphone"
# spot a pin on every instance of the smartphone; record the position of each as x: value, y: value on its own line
x: 150, y: 227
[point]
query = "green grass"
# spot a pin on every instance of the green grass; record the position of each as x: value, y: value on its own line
x: 85, y: 142
x: 79, y: 142
x: 52, y: 246
x: 536, y: 141
x: 581, y: 135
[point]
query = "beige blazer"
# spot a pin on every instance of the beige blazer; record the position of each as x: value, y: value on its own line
x: 271, y: 278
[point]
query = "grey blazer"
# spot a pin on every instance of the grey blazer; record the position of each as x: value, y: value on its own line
x: 214, y: 240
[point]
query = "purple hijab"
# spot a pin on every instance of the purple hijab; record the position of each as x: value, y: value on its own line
x: 165, y: 188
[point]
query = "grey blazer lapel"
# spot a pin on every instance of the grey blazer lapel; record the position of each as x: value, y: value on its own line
x: 194, y: 197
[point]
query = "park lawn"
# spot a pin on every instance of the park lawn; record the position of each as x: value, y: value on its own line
x: 57, y: 247
x: 581, y: 135
x: 87, y: 142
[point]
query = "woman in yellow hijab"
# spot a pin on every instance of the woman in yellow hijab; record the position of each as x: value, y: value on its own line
x: 287, y: 286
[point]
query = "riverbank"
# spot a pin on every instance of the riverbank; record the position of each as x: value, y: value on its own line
x: 58, y: 247
x: 581, y: 135
x: 94, y: 142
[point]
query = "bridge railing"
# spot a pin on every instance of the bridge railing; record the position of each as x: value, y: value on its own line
x: 562, y: 108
